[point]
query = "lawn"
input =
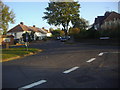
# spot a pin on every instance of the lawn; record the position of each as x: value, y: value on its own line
x: 11, y: 53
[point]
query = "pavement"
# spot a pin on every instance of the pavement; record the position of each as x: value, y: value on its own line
x: 63, y: 65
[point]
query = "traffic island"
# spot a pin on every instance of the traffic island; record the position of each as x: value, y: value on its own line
x: 16, y: 53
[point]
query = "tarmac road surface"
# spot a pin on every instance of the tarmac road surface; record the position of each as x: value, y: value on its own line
x: 63, y: 65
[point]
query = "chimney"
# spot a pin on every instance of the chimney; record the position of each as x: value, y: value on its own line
x: 33, y: 25
x: 21, y: 23
x: 107, y: 13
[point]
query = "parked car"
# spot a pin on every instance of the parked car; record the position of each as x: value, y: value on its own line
x: 63, y: 39
x: 68, y: 37
x: 58, y: 38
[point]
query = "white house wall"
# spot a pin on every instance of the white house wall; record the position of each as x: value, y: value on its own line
x: 17, y: 35
x: 49, y: 34
x: 40, y: 35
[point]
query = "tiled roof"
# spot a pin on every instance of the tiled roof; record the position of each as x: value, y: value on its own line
x: 107, y: 17
x: 35, y: 29
x: 112, y: 16
x: 99, y: 19
x: 19, y: 28
x: 43, y: 31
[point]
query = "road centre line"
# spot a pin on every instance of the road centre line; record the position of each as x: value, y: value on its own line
x: 70, y: 70
x: 113, y: 52
x: 92, y: 59
x: 32, y: 85
x: 100, y: 54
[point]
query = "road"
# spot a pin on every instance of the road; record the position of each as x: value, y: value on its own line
x: 63, y: 65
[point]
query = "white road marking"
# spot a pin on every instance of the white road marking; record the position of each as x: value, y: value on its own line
x: 92, y: 59
x: 100, y: 54
x: 70, y: 70
x: 32, y: 85
x: 114, y: 52
x: 111, y: 52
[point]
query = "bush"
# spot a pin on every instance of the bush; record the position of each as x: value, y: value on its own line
x: 44, y: 39
x: 26, y: 35
x: 87, y: 34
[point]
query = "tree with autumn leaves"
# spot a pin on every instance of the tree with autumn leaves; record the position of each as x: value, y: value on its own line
x: 6, y: 16
x: 62, y: 13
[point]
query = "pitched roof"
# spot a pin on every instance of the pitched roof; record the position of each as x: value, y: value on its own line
x: 99, y: 19
x: 107, y: 17
x: 35, y: 29
x: 19, y: 28
x: 43, y: 31
x: 112, y: 15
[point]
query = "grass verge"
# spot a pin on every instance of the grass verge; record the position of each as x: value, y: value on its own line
x: 14, y: 53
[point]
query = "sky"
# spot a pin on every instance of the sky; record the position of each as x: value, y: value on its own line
x: 31, y: 13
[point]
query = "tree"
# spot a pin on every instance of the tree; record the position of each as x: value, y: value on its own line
x: 32, y: 35
x: 80, y: 23
x: 62, y: 13
x: 7, y: 16
x: 26, y: 37
x: 57, y: 32
x: 74, y: 31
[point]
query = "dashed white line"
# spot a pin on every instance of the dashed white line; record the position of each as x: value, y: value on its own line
x: 32, y: 85
x: 114, y: 52
x: 70, y: 70
x: 100, y: 54
x: 92, y: 59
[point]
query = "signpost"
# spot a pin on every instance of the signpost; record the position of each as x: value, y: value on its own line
x: 7, y: 41
x: 26, y: 44
x: 26, y: 39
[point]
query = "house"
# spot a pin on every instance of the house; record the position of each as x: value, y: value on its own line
x: 6, y: 39
x: 18, y: 30
x: 110, y: 20
x: 49, y: 34
x: 39, y: 33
